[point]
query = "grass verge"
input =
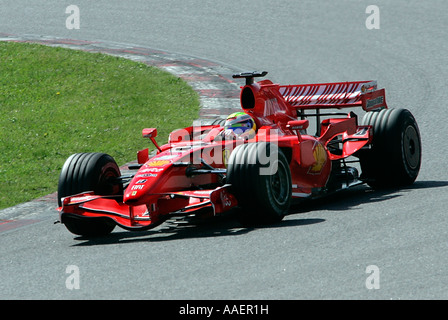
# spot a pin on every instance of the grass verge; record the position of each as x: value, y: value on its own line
x: 55, y: 102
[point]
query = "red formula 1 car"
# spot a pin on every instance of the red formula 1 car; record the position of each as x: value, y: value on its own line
x: 200, y: 172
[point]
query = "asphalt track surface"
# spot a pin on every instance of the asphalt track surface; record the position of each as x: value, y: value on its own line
x: 321, y: 250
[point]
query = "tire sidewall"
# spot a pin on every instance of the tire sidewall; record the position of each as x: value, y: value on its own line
x: 248, y: 173
x: 88, y: 172
x: 386, y: 164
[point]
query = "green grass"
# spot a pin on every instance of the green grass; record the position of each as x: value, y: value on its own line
x: 55, y: 102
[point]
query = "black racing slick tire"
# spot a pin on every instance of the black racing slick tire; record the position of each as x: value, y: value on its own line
x: 260, y: 179
x: 83, y: 172
x: 395, y: 156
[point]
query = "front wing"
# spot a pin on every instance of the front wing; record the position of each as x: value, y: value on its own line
x: 87, y: 205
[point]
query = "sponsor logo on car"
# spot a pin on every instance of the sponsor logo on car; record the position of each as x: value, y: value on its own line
x: 167, y: 157
x: 146, y: 175
x: 151, y: 170
x: 158, y: 163
x: 320, y: 156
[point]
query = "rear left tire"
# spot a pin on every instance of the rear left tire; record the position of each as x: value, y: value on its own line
x: 261, y: 181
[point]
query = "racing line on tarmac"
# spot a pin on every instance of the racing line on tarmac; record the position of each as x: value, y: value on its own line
x: 218, y: 93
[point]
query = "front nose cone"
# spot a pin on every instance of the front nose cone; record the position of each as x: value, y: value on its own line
x: 133, y: 195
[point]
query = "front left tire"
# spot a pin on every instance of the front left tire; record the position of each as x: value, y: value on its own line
x: 83, y: 172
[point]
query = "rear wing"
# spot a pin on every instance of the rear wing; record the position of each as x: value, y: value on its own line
x: 334, y: 95
x: 276, y: 105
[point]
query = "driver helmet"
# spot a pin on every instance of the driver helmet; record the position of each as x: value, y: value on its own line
x: 239, y: 123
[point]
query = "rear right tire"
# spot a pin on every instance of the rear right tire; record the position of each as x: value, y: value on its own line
x: 395, y: 157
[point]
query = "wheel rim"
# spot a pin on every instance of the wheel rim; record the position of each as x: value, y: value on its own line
x: 279, y: 184
x: 411, y: 147
x: 106, y: 185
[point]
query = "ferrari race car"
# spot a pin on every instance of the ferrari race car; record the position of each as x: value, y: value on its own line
x: 203, y: 172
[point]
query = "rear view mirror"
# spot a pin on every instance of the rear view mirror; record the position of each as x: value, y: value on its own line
x: 149, y: 133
